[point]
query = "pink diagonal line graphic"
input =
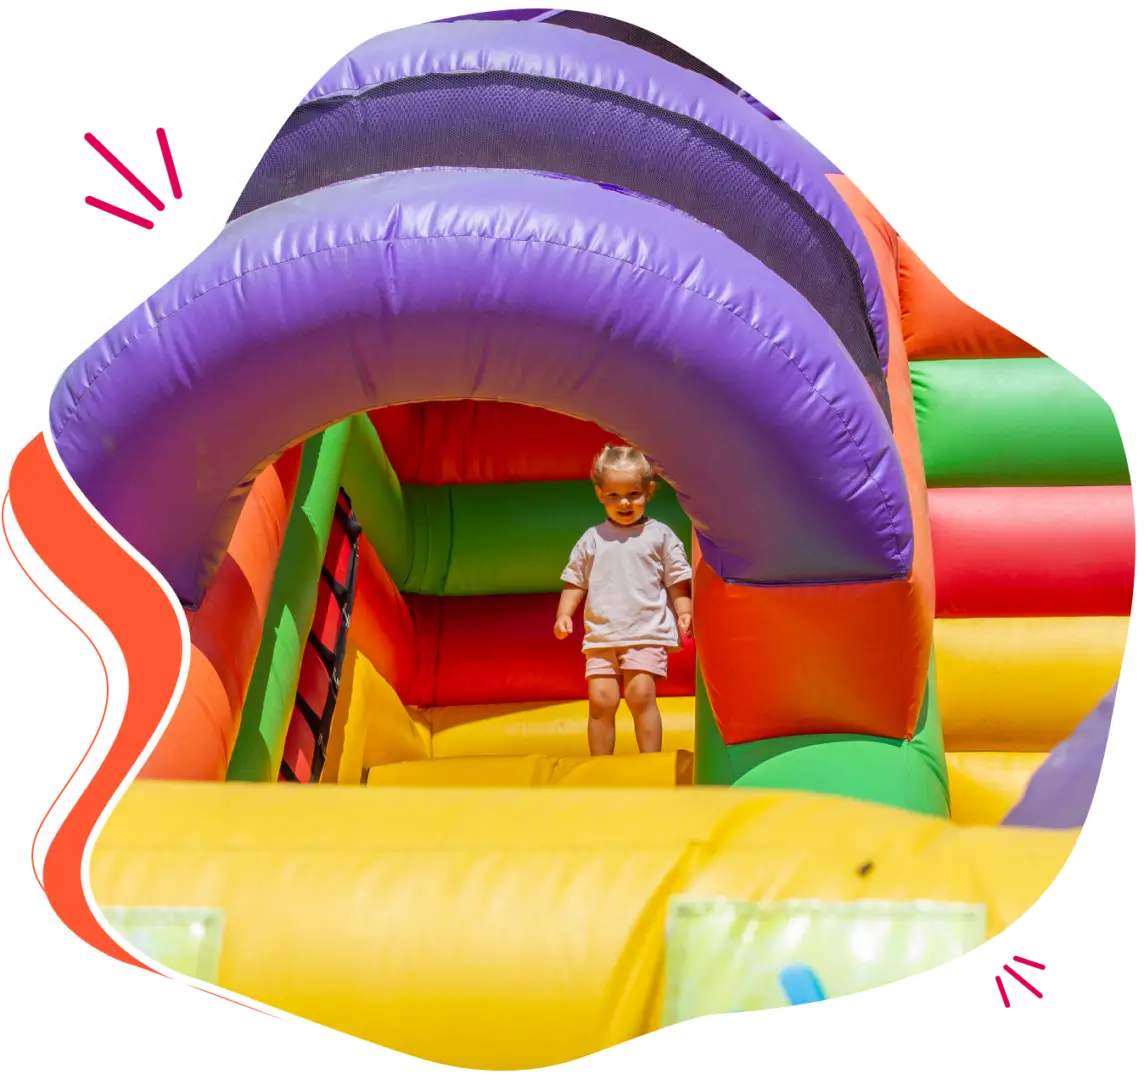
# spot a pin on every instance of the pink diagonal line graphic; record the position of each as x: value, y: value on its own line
x: 1014, y: 974
x: 119, y: 212
x: 1028, y: 963
x: 1001, y: 987
x: 125, y: 172
x: 176, y: 188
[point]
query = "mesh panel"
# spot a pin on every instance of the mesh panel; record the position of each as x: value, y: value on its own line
x: 499, y: 120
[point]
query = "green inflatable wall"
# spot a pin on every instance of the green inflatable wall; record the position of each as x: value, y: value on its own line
x: 269, y: 700
x: 1013, y: 423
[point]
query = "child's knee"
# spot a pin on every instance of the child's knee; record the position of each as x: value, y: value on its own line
x: 604, y: 694
x: 639, y: 692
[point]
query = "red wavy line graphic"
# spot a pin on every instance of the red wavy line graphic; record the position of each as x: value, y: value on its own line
x: 96, y: 732
x: 137, y: 613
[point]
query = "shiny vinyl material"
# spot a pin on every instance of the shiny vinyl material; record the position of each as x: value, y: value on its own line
x: 515, y: 928
x: 501, y: 285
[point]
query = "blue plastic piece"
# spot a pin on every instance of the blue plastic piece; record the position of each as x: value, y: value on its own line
x: 801, y: 985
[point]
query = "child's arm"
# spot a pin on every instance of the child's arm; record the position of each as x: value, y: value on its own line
x: 680, y: 595
x: 570, y: 599
x: 681, y: 601
x: 677, y: 577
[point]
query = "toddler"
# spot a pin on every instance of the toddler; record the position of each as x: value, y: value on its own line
x: 634, y: 573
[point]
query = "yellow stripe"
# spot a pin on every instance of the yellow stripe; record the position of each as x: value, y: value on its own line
x: 1023, y: 684
x: 669, y: 769
x: 984, y: 787
x: 554, y: 729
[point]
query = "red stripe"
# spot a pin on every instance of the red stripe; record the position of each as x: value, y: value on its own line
x: 486, y: 442
x: 298, y: 750
x: 1027, y: 552
x: 476, y: 649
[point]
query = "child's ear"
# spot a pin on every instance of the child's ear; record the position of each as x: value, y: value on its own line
x: 599, y: 493
x: 650, y: 488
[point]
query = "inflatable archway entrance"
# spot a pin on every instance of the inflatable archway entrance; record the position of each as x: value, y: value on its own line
x: 510, y: 286
x: 352, y: 437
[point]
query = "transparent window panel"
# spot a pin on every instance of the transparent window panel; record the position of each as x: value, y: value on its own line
x: 725, y: 955
x: 186, y: 940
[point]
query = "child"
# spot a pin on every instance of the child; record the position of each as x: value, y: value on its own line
x: 634, y: 573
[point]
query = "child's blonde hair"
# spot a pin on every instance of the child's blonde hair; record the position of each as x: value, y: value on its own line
x: 622, y: 457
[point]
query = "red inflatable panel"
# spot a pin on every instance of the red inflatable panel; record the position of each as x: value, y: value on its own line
x: 1013, y: 552
x: 474, y: 650
x: 380, y: 624
x: 486, y: 442
x: 298, y: 750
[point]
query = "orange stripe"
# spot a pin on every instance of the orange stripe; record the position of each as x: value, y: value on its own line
x: 225, y: 635
x: 936, y: 325
x: 806, y: 660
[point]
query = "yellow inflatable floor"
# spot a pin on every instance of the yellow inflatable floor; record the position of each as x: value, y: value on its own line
x: 514, y: 927
x: 468, y: 886
x: 537, y: 744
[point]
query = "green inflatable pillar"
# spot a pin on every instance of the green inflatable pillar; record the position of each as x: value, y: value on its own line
x: 270, y: 700
x: 380, y: 504
x: 712, y: 761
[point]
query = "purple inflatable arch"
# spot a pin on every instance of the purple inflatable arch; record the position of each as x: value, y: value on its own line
x: 506, y: 285
x: 543, y: 97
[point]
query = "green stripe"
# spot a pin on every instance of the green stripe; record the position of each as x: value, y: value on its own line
x: 270, y: 700
x: 908, y: 774
x: 1012, y: 423
x: 712, y: 759
x: 431, y: 516
x: 499, y: 539
x: 378, y: 499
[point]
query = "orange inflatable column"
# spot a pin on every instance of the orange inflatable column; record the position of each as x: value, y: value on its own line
x: 225, y: 633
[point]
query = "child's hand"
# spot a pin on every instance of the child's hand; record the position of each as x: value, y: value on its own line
x: 563, y: 626
x: 685, y: 625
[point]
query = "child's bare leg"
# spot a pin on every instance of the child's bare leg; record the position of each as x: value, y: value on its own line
x: 639, y: 693
x: 603, y: 700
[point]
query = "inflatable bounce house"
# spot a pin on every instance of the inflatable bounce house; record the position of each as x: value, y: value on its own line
x: 354, y: 437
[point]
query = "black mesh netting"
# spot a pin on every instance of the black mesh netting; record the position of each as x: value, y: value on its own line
x: 499, y: 120
x: 638, y: 38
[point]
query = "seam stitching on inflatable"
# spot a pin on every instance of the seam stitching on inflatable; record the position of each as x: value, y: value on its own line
x: 512, y: 240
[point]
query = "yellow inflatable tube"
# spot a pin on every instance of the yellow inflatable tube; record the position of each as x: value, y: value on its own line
x: 555, y: 729
x: 668, y: 769
x: 1023, y: 684
x: 370, y: 909
x: 984, y: 787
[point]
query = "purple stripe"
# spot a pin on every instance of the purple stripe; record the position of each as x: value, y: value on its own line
x: 1060, y: 792
x: 556, y: 52
x: 501, y: 285
x: 511, y: 15
x: 756, y: 104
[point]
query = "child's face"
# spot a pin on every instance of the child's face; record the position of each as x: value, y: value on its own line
x: 624, y: 495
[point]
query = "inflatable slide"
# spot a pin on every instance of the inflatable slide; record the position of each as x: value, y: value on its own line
x: 354, y: 437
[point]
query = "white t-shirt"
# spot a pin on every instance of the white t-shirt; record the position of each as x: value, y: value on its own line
x: 627, y: 571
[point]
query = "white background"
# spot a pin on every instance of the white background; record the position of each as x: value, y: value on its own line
x: 996, y: 137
